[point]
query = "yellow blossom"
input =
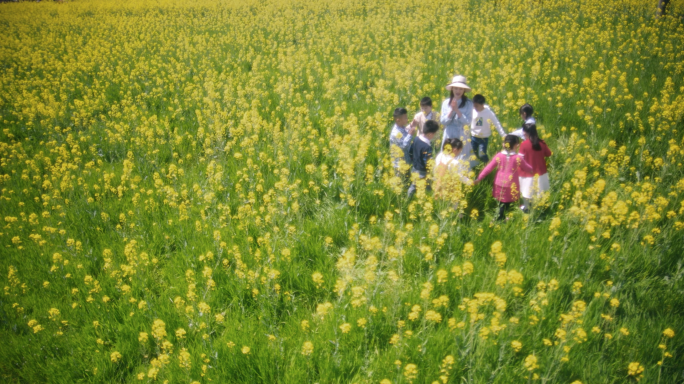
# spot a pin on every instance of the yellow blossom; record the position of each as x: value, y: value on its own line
x: 307, y: 348
x: 115, y: 357
x: 531, y: 363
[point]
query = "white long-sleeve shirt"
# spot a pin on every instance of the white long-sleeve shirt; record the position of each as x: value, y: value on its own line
x: 519, y: 132
x: 480, y: 126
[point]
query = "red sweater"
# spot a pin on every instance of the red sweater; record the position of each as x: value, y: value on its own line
x: 537, y: 159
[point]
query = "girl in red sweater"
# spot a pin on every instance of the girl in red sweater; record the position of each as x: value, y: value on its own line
x: 533, y: 184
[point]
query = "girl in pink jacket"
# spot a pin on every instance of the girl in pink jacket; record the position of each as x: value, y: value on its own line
x: 508, y: 163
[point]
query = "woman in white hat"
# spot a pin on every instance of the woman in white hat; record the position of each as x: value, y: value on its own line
x: 457, y: 111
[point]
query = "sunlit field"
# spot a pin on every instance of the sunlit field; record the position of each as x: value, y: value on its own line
x: 196, y: 192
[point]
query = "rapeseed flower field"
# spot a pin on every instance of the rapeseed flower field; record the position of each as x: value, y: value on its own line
x: 202, y: 191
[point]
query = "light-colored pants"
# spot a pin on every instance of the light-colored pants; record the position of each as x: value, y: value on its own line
x: 530, y: 189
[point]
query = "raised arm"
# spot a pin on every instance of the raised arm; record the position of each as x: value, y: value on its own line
x: 400, y: 141
x: 462, y: 170
x: 489, y: 168
x: 498, y: 126
x: 405, y: 141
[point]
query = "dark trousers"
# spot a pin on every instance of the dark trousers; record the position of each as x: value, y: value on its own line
x: 503, y: 207
x: 412, y: 188
x: 480, y: 148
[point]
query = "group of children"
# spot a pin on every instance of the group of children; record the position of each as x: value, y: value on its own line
x: 520, y: 166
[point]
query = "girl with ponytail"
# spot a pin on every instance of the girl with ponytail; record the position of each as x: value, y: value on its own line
x: 533, y: 184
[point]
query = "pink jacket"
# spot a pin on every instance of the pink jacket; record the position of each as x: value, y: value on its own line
x: 506, y: 184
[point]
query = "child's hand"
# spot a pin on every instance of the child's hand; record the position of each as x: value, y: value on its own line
x: 412, y: 129
x: 476, y: 182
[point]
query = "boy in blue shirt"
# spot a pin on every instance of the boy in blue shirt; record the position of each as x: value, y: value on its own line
x: 420, y: 152
x: 400, y: 139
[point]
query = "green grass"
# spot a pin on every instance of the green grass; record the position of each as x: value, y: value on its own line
x: 154, y: 141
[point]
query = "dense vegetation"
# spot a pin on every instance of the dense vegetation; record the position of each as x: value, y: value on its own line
x: 201, y: 191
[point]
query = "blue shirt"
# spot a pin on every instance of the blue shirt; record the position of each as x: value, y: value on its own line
x: 401, y: 138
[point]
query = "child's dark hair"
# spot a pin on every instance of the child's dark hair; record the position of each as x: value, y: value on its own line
x: 511, y: 141
x: 531, y: 131
x: 426, y: 102
x: 430, y: 126
x: 455, y: 143
x: 479, y: 99
x: 399, y: 112
x: 527, y: 110
x: 464, y: 99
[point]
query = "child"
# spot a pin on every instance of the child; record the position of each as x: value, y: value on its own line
x: 400, y: 139
x: 480, y: 129
x: 451, y: 172
x: 426, y: 113
x: 509, y: 164
x: 526, y: 112
x: 421, y: 151
x: 535, y: 151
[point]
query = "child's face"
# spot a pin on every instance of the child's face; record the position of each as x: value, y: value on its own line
x: 458, y: 92
x: 478, y: 107
x: 523, y: 115
x: 456, y: 151
x: 402, y: 120
x: 426, y: 109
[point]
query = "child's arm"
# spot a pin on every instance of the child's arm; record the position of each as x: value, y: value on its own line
x: 488, y: 169
x: 414, y: 122
x: 518, y: 132
x: 463, y: 174
x: 409, y: 155
x: 405, y: 141
x: 547, y: 151
x: 498, y: 126
x: 523, y: 164
x: 426, y: 156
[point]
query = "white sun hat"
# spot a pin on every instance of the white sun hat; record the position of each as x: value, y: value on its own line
x: 458, y: 82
